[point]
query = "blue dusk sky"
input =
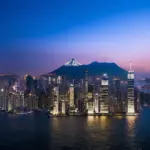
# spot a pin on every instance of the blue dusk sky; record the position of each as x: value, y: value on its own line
x: 37, y: 36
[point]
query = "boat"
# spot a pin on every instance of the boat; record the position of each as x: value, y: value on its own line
x: 24, y: 113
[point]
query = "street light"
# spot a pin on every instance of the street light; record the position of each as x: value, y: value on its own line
x: 2, y: 90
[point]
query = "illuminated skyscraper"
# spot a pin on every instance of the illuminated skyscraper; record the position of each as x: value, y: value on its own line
x: 59, y: 80
x: 3, y: 97
x: 56, y: 108
x: 56, y: 100
x: 12, y: 98
x: 10, y: 107
x: 90, y: 104
x: 63, y: 107
x: 86, y: 90
x: 71, y: 96
x: 104, y: 95
x: 96, y: 103
x: 130, y: 96
x: 90, y: 107
x: 56, y: 93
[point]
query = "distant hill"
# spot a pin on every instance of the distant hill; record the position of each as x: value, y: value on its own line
x: 73, y: 69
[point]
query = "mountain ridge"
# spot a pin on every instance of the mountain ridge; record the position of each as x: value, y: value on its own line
x: 73, y: 70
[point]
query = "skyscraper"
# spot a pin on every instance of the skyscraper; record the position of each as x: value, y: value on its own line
x: 71, y: 96
x: 86, y: 89
x: 56, y: 108
x: 117, y: 95
x: 63, y: 107
x: 59, y: 80
x: 96, y: 103
x: 56, y: 100
x: 90, y: 107
x: 90, y: 103
x: 104, y: 95
x: 31, y: 101
x: 130, y: 95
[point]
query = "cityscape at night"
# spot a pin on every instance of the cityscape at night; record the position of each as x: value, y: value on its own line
x: 79, y: 93
x: 74, y: 75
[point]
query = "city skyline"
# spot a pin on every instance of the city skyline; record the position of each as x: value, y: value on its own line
x: 40, y: 36
x: 74, y: 74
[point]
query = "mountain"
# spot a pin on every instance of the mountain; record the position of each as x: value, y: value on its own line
x: 74, y: 69
x: 72, y: 62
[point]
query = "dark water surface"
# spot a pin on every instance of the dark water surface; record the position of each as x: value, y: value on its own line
x: 37, y: 131
x: 29, y: 132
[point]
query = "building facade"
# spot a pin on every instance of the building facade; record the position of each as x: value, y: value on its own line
x: 130, y: 94
x: 104, y: 95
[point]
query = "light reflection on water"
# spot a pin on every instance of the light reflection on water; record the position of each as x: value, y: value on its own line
x: 131, y: 120
x: 94, y: 132
x: 76, y: 133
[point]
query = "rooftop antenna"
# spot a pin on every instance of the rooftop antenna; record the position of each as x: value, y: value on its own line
x: 130, y: 66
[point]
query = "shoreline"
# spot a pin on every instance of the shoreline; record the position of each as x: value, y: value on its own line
x: 95, y: 115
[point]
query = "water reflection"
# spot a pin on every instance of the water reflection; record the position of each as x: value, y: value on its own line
x: 131, y: 123
x: 104, y: 122
x: 56, y: 123
x: 77, y: 133
x: 95, y: 132
x: 100, y: 122
x: 119, y: 117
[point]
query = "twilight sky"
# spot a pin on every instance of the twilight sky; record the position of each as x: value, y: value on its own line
x: 37, y: 36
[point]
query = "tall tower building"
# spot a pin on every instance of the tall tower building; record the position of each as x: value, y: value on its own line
x: 71, y: 96
x: 56, y: 100
x: 56, y: 108
x: 104, y: 95
x: 130, y: 95
x: 86, y: 90
x: 59, y: 80
x: 63, y: 107
x: 96, y: 103
x: 90, y: 103
x: 90, y: 106
x: 117, y: 95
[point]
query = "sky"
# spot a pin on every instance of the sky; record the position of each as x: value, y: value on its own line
x: 38, y: 36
